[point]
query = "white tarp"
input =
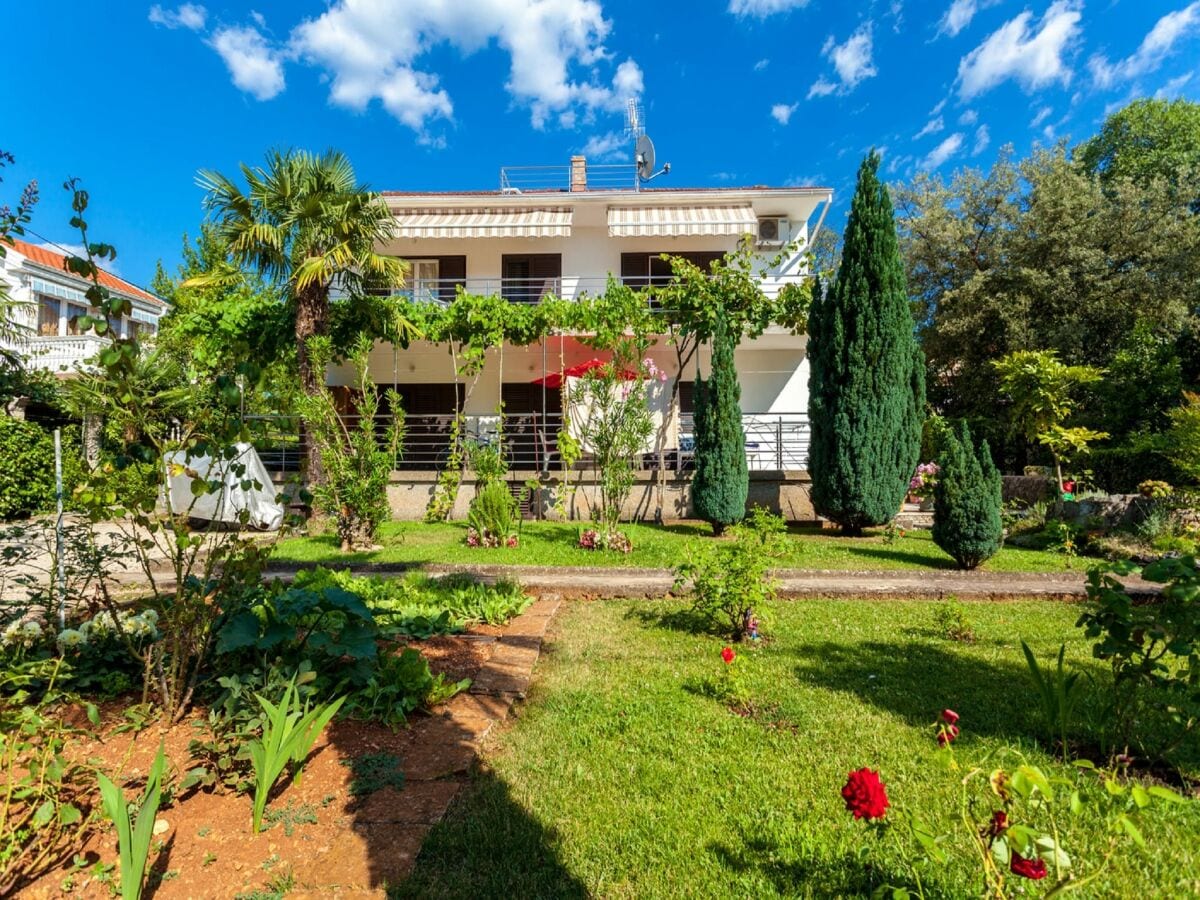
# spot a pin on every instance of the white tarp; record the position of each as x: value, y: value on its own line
x: 247, y: 486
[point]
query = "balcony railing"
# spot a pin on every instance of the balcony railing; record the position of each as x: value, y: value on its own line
x: 59, y: 354
x: 541, y: 179
x: 774, y: 442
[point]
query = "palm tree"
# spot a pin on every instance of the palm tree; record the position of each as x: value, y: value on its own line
x: 305, y: 222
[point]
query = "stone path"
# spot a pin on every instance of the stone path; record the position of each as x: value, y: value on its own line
x: 390, y: 827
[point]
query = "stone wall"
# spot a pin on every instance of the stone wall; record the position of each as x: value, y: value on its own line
x: 787, y: 494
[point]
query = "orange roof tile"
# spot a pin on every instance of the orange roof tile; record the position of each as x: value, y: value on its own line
x: 43, y: 256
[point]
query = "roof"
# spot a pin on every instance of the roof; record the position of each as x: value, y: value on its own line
x: 48, y: 259
x: 607, y: 192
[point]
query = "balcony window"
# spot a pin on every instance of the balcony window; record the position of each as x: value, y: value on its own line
x: 528, y: 277
x: 423, y: 278
x: 74, y: 312
x: 48, y: 313
x: 643, y: 269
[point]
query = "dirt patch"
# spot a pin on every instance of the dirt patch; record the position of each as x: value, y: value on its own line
x: 324, y: 837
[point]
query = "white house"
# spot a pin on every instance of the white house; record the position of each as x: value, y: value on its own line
x: 51, y: 300
x: 563, y: 231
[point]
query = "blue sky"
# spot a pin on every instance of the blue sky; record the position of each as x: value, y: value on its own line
x: 135, y: 97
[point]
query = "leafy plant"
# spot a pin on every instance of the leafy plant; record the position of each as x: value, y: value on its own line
x: 1059, y: 694
x: 967, y: 501
x: 401, y: 683
x: 951, y: 622
x: 289, y: 731
x: 492, y: 519
x: 133, y: 837
x: 728, y: 582
x: 291, y: 816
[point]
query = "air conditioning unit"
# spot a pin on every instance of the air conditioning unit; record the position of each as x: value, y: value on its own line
x: 772, y: 231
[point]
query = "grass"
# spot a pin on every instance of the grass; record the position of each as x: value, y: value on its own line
x: 660, y: 547
x: 623, y: 777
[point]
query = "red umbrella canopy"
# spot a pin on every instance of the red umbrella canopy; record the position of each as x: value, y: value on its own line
x: 555, y: 379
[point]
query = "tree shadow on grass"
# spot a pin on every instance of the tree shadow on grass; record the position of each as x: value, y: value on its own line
x: 922, y: 560
x: 808, y: 875
x: 916, y: 680
x: 686, y: 619
x: 489, y: 845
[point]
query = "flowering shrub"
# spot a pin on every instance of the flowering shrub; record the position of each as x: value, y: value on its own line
x: 593, y: 539
x: 1155, y: 490
x: 493, y: 518
x: 924, y: 480
x: 1014, y: 817
x: 487, y: 539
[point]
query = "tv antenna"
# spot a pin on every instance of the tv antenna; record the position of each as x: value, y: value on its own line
x: 643, y: 147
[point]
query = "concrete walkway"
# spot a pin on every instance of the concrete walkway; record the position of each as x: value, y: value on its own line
x: 597, y: 582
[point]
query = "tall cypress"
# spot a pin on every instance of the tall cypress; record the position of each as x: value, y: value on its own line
x: 721, y: 481
x: 867, y: 379
x: 966, y: 501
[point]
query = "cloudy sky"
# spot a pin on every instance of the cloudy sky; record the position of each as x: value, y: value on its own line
x: 439, y: 94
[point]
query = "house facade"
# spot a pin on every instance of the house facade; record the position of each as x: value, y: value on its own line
x: 50, y: 300
x: 563, y: 232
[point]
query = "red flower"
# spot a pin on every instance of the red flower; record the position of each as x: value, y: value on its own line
x: 727, y: 654
x: 943, y: 739
x: 865, y: 795
x: 949, y: 716
x: 999, y: 823
x: 1028, y: 868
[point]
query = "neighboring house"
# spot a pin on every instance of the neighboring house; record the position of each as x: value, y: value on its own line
x: 563, y: 231
x: 51, y: 300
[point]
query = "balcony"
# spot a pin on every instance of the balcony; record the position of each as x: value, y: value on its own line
x: 62, y: 353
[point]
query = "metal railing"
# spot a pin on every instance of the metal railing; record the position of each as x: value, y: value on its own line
x: 540, y: 179
x: 774, y: 441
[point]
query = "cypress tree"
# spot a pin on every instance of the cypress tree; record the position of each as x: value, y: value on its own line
x: 966, y: 501
x: 721, y: 481
x: 867, y: 374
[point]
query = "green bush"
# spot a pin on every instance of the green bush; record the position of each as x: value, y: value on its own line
x: 1120, y: 469
x: 721, y: 482
x: 966, y: 502
x: 27, y: 476
x: 492, y: 519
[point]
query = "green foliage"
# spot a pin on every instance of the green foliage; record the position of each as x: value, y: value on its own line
x: 1183, y: 440
x: 1120, y: 469
x: 1146, y: 140
x: 728, y: 581
x: 356, y: 465
x: 402, y: 682
x: 1153, y: 650
x: 289, y: 732
x: 373, y: 772
x: 134, y: 836
x: 721, y: 482
x: 967, y: 501
x: 1058, y: 694
x: 950, y: 621
x: 12, y: 224
x: 27, y: 476
x: 1142, y: 383
x: 493, y: 517
x: 866, y: 388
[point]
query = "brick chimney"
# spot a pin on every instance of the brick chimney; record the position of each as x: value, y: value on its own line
x: 578, y: 173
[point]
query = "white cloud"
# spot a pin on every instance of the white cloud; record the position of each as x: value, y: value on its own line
x: 941, y: 104
x: 371, y: 49
x: 761, y: 64
x: 1031, y: 57
x: 959, y: 15
x: 983, y: 137
x: 255, y: 65
x: 933, y: 126
x: 941, y: 152
x: 1171, y: 89
x: 607, y: 147
x: 1155, y: 47
x: 782, y: 112
x: 851, y: 60
x: 189, y: 15
x: 760, y: 9
x: 1042, y: 115
x: 969, y: 117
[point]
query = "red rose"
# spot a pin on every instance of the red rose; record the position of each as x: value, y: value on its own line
x: 952, y: 730
x: 943, y: 739
x: 999, y: 823
x: 727, y: 654
x: 1028, y: 868
x: 865, y: 795
x: 949, y: 716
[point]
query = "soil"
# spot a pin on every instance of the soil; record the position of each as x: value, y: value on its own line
x: 339, y: 845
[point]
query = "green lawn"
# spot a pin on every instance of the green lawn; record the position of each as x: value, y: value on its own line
x: 554, y: 544
x: 621, y: 777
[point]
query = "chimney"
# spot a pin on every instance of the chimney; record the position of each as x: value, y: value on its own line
x: 578, y: 173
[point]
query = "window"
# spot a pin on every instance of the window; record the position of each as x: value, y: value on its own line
x: 642, y: 269
x: 48, y: 313
x: 527, y: 278
x: 74, y: 311
x: 114, y: 326
x: 138, y: 328
x: 423, y: 276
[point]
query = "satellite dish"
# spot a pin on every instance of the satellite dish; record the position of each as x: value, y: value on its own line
x: 644, y: 156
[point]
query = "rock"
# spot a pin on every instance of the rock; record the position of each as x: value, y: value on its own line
x: 161, y: 826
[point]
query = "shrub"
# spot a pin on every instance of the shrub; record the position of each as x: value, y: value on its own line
x: 1184, y: 438
x: 493, y: 517
x: 1155, y: 490
x: 966, y: 518
x: 950, y: 621
x: 721, y: 481
x: 27, y: 476
x: 1120, y: 469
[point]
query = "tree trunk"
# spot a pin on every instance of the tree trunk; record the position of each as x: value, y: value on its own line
x: 312, y: 319
x: 1058, y: 487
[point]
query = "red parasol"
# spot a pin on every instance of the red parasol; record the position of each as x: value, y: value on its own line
x: 555, y: 379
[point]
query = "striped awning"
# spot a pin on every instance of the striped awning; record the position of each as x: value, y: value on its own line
x: 482, y: 223
x: 677, y: 221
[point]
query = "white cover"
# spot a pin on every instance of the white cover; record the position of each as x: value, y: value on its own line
x: 225, y: 505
